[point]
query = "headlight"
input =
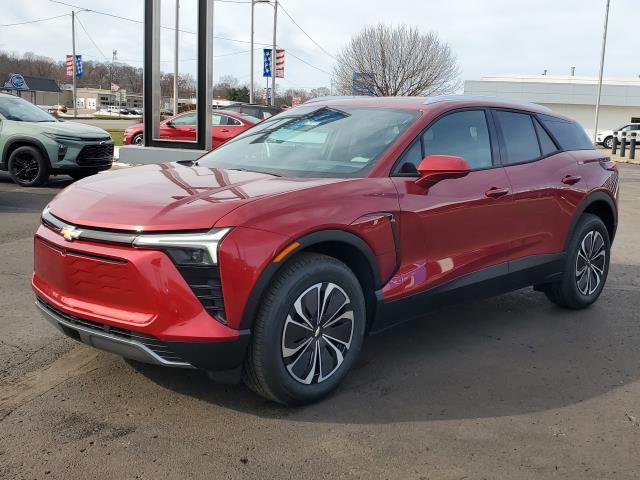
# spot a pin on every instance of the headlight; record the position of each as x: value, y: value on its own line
x: 187, y: 249
x: 62, y: 138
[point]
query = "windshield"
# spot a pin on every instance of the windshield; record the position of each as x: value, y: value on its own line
x: 19, y: 110
x: 314, y: 142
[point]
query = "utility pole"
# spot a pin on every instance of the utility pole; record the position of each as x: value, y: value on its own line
x: 73, y: 58
x: 604, y: 44
x: 274, y: 55
x: 251, y: 87
x: 175, y: 61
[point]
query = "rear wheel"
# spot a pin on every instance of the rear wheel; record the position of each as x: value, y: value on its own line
x: 28, y: 167
x: 308, y: 332
x: 586, y: 267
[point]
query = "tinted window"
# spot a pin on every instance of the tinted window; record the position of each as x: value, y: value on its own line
x: 546, y: 143
x: 186, y: 119
x: 411, y: 158
x: 463, y: 134
x: 233, y: 121
x: 521, y: 141
x: 570, y: 135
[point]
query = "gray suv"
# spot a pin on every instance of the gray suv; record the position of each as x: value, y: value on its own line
x: 35, y: 145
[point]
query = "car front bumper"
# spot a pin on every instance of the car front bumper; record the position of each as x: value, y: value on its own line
x: 131, y: 302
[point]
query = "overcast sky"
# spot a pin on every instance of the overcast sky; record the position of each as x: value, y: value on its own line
x: 488, y: 36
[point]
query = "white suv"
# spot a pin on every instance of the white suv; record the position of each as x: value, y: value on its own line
x: 605, y: 137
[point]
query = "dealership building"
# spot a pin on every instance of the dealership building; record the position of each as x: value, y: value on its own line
x: 568, y: 95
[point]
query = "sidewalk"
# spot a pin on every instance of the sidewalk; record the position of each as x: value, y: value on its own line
x: 620, y: 159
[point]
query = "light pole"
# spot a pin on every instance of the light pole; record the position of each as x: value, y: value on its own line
x: 251, y: 87
x: 175, y: 61
x: 274, y: 54
x: 73, y: 58
x: 604, y: 44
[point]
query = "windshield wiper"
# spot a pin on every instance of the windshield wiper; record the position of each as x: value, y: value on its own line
x: 254, y: 171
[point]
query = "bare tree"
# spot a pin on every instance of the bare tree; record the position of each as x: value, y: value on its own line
x: 397, y: 61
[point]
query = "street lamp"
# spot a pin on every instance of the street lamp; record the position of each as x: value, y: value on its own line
x: 273, y: 52
x: 604, y: 44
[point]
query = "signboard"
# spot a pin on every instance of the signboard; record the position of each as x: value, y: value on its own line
x: 16, y: 82
x: 78, y: 66
x: 362, y: 84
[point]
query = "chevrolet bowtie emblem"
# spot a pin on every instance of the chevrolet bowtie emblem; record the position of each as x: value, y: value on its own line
x: 70, y: 233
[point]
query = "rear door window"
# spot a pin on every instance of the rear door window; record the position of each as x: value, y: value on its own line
x: 520, y: 138
x: 569, y: 135
x: 547, y: 145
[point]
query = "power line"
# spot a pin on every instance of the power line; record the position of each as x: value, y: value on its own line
x: 188, y: 31
x: 302, y: 30
x: 34, y: 21
x: 307, y: 63
x: 128, y: 19
x: 92, y: 41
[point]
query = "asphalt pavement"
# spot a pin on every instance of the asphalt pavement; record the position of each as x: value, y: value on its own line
x: 511, y: 387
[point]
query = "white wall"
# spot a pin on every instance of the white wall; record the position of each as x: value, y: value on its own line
x: 571, y: 96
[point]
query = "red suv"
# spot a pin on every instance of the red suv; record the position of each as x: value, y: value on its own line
x: 270, y: 258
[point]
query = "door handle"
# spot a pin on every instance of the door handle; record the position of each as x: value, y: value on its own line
x: 224, y: 130
x: 571, y: 179
x: 495, y: 192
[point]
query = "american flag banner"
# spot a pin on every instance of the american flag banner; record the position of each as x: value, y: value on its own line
x: 280, y: 63
x: 114, y: 87
x: 78, y: 65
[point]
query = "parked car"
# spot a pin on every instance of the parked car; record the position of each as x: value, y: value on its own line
x: 605, y: 137
x: 35, y: 145
x: 225, y: 126
x: 258, y: 111
x: 271, y: 257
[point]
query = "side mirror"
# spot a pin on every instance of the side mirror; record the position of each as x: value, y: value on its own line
x: 434, y: 168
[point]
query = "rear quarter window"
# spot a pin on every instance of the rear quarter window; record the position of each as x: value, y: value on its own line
x: 569, y: 135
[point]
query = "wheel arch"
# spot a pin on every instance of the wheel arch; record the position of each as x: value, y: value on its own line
x: 347, y: 247
x: 21, y: 141
x: 603, y: 206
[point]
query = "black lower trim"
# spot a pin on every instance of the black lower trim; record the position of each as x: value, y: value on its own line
x: 214, y: 356
x: 79, y: 169
x: 484, y: 283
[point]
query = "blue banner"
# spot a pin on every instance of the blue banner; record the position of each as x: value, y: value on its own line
x: 267, y: 63
x: 79, y: 69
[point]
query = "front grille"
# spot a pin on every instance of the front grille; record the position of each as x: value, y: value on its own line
x: 205, y: 284
x: 95, y: 155
x: 158, y: 347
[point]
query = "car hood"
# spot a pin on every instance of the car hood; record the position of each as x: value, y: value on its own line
x: 70, y: 128
x: 167, y: 197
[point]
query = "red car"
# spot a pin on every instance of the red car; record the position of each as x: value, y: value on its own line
x: 183, y: 127
x: 273, y: 256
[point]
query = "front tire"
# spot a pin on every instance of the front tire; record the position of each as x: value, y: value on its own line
x: 28, y: 167
x: 308, y: 331
x: 586, y: 265
x: 137, y: 139
x: 608, y: 142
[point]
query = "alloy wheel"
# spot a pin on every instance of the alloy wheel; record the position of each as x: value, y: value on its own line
x: 25, y: 167
x: 590, y: 262
x: 317, y: 333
